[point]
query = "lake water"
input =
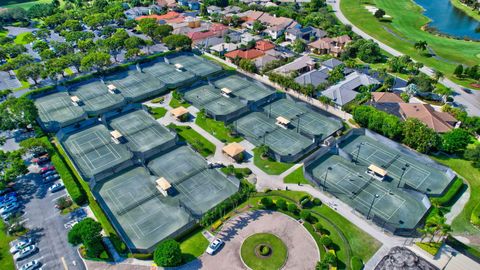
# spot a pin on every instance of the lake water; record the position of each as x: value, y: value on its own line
x: 448, y: 19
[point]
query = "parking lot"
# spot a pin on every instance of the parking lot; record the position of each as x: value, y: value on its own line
x: 46, y: 226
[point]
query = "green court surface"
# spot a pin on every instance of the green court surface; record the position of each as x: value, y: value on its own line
x: 243, y: 88
x: 94, y: 153
x: 196, y: 65
x: 418, y: 174
x: 388, y: 205
x: 142, y: 132
x: 138, y: 211
x: 259, y: 129
x: 136, y: 86
x: 201, y: 95
x: 199, y: 187
x: 168, y: 74
x: 96, y: 98
x: 56, y: 110
x: 306, y: 119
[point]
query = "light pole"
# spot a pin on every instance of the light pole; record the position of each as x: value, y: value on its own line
x: 404, y: 168
x: 453, y: 254
x: 371, y: 205
x: 325, y: 179
x: 264, y: 137
x: 358, y: 152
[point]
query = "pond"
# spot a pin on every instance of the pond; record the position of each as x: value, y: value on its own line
x: 449, y: 20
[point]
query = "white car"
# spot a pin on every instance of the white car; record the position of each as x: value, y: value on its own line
x: 31, y: 265
x: 23, y: 253
x: 9, y: 208
x: 214, y: 246
x: 56, y: 187
x: 21, y: 245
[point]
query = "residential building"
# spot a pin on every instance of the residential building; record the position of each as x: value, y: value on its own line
x: 314, y: 77
x: 346, y: 90
x: 326, y: 45
x: 301, y: 65
x: 244, y: 54
x: 263, y: 60
x: 167, y: 3
x: 439, y: 121
x: 264, y: 45
x: 191, y: 4
x: 214, y: 9
x: 224, y: 47
x: 305, y: 33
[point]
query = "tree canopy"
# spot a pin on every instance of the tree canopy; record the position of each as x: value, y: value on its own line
x: 17, y: 113
x: 168, y: 253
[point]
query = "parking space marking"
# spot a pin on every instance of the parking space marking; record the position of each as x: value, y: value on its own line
x: 64, y: 263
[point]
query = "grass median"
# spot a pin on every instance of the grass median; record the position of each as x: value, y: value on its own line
x: 197, y: 141
x: 216, y: 128
x: 268, y: 165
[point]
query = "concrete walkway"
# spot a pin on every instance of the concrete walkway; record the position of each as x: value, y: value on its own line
x: 470, y: 101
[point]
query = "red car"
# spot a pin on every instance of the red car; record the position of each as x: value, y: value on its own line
x: 41, y: 160
x: 47, y: 169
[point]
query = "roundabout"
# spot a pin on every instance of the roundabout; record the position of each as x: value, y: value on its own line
x: 263, y: 251
x: 263, y: 240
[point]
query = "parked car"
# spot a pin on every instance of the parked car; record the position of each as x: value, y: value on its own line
x: 8, y: 201
x: 7, y: 196
x: 8, y: 215
x: 56, y: 187
x: 24, y: 253
x: 21, y: 244
x: 70, y: 224
x: 47, y: 169
x: 467, y: 90
x: 49, y: 173
x: 31, y: 265
x: 39, y: 154
x: 41, y: 160
x: 5, y: 191
x: 51, y: 178
x: 214, y: 246
x: 9, y: 208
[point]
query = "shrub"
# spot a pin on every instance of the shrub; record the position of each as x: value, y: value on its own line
x: 168, y: 253
x: 318, y: 227
x: 305, y: 202
x: 317, y: 201
x: 87, y: 232
x: 292, y: 208
x: 326, y: 241
x: 141, y: 256
x: 267, y: 203
x: 264, y: 250
x: 304, y: 197
x: 119, y: 245
x: 158, y: 100
x: 63, y: 202
x: 306, y: 215
x: 356, y: 263
x: 282, y: 204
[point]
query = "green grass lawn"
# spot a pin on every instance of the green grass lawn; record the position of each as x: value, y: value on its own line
x: 468, y: 10
x: 175, y: 103
x: 407, y: 22
x: 25, y: 4
x: 216, y: 128
x: 296, y: 177
x: 277, y: 248
x: 193, y: 245
x: 19, y: 39
x: 197, y: 141
x: 6, y: 259
x: 269, y: 165
x: 224, y: 66
x: 157, y: 112
x: 461, y: 225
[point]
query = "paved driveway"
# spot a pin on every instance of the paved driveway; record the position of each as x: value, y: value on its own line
x: 302, y: 250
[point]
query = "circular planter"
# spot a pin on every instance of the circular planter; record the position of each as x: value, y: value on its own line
x: 263, y: 251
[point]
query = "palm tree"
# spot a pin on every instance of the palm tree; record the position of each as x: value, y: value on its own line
x: 421, y: 45
x: 438, y: 75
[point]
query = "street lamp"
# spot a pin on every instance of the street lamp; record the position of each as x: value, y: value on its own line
x: 371, y: 205
x: 325, y: 179
x: 358, y: 152
x: 404, y: 168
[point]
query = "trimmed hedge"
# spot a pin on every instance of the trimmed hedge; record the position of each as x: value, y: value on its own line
x: 141, y: 256
x: 448, y: 198
x: 71, y: 184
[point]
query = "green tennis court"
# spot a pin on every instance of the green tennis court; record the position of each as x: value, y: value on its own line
x: 96, y: 98
x: 56, y: 111
x: 94, y: 153
x: 232, y: 82
x: 349, y: 182
x: 142, y: 132
x: 136, y: 86
x: 199, y: 187
x: 254, y: 93
x: 418, y: 174
x: 138, y: 211
x: 224, y: 106
x: 168, y: 74
x: 254, y: 126
x: 201, y: 95
x: 196, y: 65
x: 309, y: 121
x: 287, y: 142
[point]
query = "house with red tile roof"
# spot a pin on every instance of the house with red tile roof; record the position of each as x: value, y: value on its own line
x: 244, y: 54
x: 264, y: 45
x: 167, y: 16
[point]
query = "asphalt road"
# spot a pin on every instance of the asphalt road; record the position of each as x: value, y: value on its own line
x: 46, y: 226
x: 471, y: 101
